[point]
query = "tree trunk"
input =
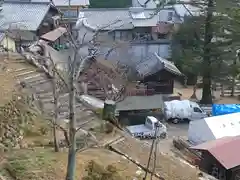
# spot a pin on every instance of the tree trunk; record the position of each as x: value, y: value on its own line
x: 234, y: 77
x: 233, y: 87
x: 72, y: 125
x: 55, y: 118
x: 206, y: 91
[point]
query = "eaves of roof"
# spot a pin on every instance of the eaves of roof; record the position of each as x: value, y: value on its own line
x: 23, y: 16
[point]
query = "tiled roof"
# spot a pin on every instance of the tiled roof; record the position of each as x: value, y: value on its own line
x: 116, y: 18
x: 23, y: 16
x: 155, y: 63
x: 225, y: 150
x: 169, y: 66
x: 72, y: 2
x: 96, y: 18
x: 181, y: 10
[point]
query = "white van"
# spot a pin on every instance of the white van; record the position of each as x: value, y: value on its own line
x: 178, y: 110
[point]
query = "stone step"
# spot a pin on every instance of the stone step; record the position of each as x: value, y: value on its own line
x: 63, y: 112
x: 48, y: 97
x: 42, y: 95
x: 24, y: 73
x: 43, y: 90
x: 39, y: 82
x: 32, y: 77
x: 21, y: 69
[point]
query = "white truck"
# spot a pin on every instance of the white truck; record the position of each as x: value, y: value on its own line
x: 148, y: 130
x: 179, y: 110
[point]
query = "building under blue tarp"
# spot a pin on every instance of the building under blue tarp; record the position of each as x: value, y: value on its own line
x: 221, y: 109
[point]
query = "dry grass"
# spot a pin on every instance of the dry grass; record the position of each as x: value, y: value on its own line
x: 7, y: 76
x: 167, y: 167
x: 42, y: 163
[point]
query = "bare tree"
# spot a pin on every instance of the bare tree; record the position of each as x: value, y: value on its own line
x: 55, y: 118
x: 77, y: 65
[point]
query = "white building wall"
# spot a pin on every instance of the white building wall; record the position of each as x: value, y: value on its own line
x: 215, y: 127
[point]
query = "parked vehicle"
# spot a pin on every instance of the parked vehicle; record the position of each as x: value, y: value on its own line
x: 151, y: 129
x: 179, y: 110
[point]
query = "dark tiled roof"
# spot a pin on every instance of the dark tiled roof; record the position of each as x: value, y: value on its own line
x: 155, y: 63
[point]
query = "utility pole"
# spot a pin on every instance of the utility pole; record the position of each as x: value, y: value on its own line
x: 151, y: 151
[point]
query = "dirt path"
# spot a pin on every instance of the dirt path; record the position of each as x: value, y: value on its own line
x: 167, y: 166
x: 187, y: 93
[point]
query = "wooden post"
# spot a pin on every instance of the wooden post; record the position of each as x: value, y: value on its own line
x: 222, y: 91
x: 108, y: 114
x: 109, y: 110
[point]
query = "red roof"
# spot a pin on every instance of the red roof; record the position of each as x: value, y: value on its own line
x: 225, y: 150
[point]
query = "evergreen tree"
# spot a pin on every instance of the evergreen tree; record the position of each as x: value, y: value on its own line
x: 207, y: 44
x: 110, y: 3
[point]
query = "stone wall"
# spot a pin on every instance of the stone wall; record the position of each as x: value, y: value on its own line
x: 15, y: 116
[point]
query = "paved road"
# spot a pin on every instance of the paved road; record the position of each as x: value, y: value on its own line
x: 173, y: 130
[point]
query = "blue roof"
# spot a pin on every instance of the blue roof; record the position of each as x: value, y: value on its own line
x: 22, y: 16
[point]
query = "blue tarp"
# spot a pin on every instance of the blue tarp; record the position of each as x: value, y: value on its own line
x: 221, y: 109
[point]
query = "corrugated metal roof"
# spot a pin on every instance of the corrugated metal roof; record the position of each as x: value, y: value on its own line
x: 225, y: 150
x: 23, y: 16
x: 55, y: 34
x: 140, y: 103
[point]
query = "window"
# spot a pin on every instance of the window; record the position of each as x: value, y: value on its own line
x: 117, y: 35
x: 195, y: 109
x: 157, y: 124
x: 170, y: 16
x: 149, y: 122
x: 112, y: 34
x: 162, y: 36
x: 70, y: 14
